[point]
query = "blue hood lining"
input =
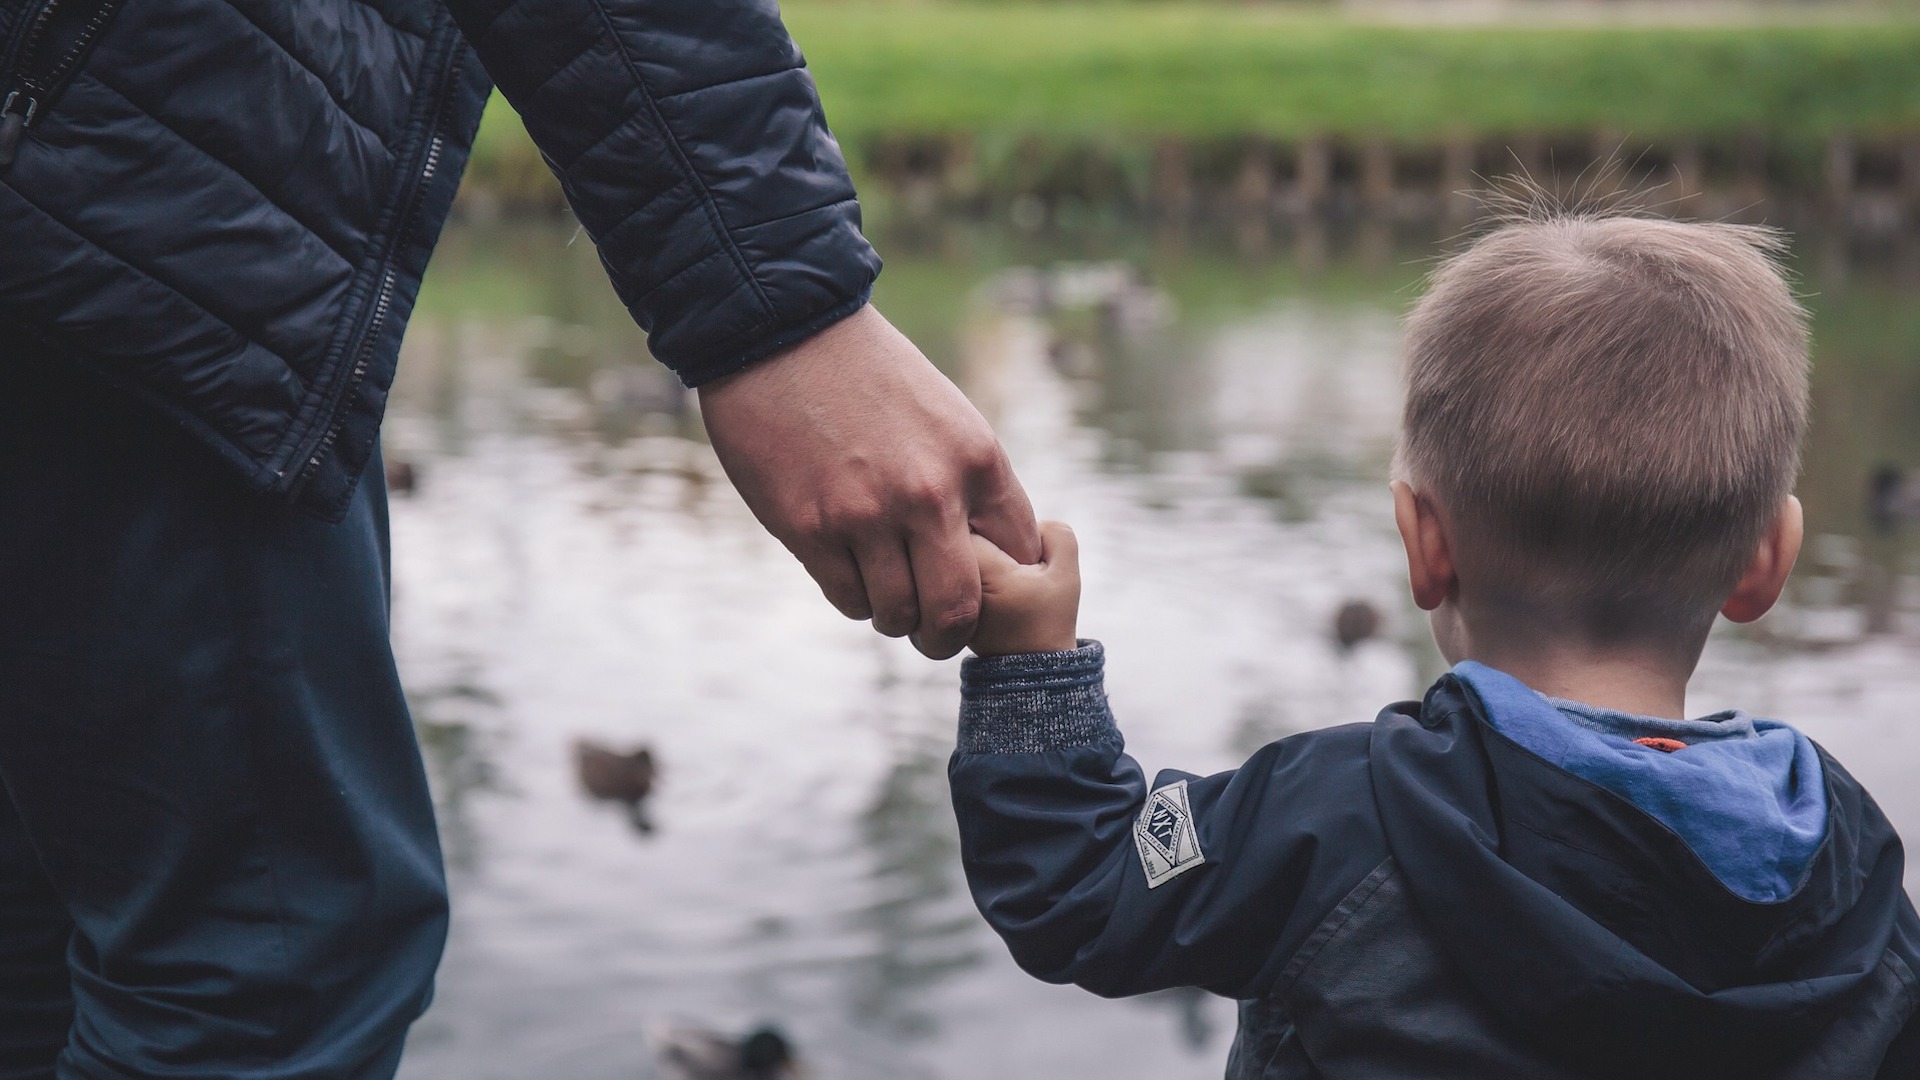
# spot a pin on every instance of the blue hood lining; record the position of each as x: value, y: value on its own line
x: 1747, y: 797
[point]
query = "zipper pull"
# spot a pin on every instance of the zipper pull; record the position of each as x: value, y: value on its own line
x: 13, y: 125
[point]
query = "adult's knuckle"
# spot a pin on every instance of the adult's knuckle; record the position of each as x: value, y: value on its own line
x: 982, y: 455
x: 849, y: 516
x: 953, y: 617
x: 896, y: 620
x: 927, y: 492
x: 993, y: 480
x: 804, y: 524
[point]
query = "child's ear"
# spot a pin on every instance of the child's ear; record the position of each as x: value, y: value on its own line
x: 1430, y: 569
x: 1766, y: 577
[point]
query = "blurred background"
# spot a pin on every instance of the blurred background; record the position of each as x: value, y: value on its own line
x: 1165, y: 246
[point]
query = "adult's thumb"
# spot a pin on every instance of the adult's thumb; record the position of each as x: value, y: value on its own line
x: 1058, y: 546
x: 992, y: 559
x: 1004, y: 515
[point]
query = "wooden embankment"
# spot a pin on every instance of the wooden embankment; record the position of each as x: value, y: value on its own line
x: 1865, y: 184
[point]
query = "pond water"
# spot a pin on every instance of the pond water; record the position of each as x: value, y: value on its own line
x: 1213, y: 414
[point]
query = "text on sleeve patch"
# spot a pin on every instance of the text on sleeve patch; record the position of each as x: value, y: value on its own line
x: 1164, y: 834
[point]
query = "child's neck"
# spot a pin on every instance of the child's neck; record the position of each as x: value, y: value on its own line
x: 1626, y: 683
x: 1642, y: 679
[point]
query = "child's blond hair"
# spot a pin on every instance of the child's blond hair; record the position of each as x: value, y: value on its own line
x: 1609, y: 411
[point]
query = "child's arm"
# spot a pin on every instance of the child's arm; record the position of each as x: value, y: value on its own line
x: 1215, y: 882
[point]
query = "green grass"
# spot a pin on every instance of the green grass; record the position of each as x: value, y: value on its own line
x: 1093, y: 70
x: 1082, y: 73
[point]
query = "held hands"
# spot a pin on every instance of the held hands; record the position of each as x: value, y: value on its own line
x: 1029, y: 609
x: 873, y: 469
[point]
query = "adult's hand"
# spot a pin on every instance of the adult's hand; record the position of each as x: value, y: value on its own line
x: 873, y: 468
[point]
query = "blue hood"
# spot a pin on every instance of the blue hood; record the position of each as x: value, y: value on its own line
x: 1746, y: 796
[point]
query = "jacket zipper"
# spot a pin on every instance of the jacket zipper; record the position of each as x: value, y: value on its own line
x: 389, y: 280
x: 28, y: 83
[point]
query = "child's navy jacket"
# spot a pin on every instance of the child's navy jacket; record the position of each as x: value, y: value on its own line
x: 1470, y: 886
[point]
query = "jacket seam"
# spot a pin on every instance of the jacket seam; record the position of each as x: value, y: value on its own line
x: 325, y: 89
x: 1350, y: 905
x: 606, y: 235
x: 381, y: 14
x: 672, y: 139
x: 798, y: 214
x: 677, y: 94
x: 600, y: 140
x: 669, y: 279
x: 1898, y: 965
x: 574, y: 61
x: 1552, y: 839
x: 482, y: 29
x: 346, y: 259
x: 224, y: 323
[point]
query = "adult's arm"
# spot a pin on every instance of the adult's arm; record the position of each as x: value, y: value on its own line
x: 689, y: 139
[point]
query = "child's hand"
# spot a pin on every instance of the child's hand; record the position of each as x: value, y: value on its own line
x: 1029, y: 609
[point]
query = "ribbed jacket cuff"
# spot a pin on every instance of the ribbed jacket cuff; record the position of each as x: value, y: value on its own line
x: 1027, y: 703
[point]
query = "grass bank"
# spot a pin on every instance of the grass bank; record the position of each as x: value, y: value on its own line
x: 1107, y: 74
x: 1207, y: 69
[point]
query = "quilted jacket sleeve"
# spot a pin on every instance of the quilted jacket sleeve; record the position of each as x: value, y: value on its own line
x: 688, y: 137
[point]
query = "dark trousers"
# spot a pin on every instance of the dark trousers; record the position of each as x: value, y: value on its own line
x: 217, y: 853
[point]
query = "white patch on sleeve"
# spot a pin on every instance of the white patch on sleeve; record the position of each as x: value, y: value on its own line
x: 1164, y: 834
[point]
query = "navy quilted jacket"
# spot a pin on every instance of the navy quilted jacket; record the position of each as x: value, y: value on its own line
x: 226, y: 206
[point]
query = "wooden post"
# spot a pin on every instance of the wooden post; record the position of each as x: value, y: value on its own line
x: 1910, y: 178
x: 960, y: 180
x: 1376, y: 176
x: 1313, y: 176
x: 1457, y: 181
x: 1689, y: 169
x: 1253, y: 185
x: 1253, y: 198
x: 1841, y: 167
x: 1750, y: 175
x: 1172, y: 180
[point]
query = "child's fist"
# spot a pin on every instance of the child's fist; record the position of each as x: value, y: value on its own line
x: 1028, y: 609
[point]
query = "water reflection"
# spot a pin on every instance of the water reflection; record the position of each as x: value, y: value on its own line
x: 1215, y: 415
x: 1198, y: 1022
x: 920, y: 922
x: 458, y: 725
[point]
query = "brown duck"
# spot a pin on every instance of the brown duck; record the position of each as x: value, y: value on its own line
x: 1355, y: 622
x: 692, y: 1053
x: 611, y: 776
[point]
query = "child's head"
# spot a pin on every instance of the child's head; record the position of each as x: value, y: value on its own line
x: 1602, y: 430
